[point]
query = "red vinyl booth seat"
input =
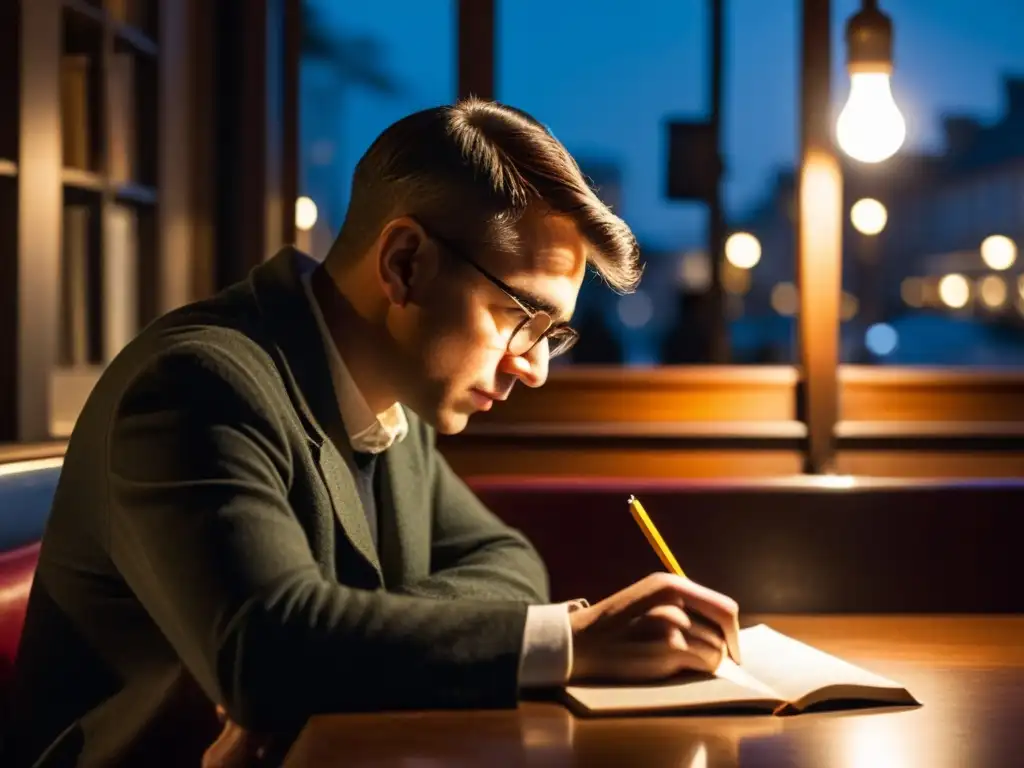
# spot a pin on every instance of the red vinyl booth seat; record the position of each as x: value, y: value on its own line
x: 17, y: 569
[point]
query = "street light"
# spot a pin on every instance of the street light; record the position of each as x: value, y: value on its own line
x: 743, y: 250
x: 954, y: 291
x: 868, y: 216
x: 305, y: 219
x: 870, y: 127
x: 998, y: 252
x: 305, y: 214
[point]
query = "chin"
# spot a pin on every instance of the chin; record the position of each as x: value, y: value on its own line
x: 449, y: 422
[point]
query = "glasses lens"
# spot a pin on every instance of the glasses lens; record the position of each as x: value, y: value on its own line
x: 529, y: 333
x: 561, y: 340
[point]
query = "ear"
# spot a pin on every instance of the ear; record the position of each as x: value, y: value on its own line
x: 407, y: 261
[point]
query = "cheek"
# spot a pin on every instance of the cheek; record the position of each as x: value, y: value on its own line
x: 461, y: 340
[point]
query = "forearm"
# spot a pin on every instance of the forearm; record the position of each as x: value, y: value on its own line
x: 324, y: 648
x: 474, y: 554
x: 506, y: 568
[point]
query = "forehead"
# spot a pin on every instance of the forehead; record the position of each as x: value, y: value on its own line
x: 550, y: 263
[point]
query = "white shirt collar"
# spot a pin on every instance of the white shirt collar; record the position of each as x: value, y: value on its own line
x: 367, y: 432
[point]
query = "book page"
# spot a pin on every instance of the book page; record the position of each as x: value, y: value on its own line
x: 689, y: 691
x: 795, y: 669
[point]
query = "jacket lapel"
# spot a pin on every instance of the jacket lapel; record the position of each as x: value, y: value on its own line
x: 405, y: 532
x: 336, y: 469
x: 303, y: 364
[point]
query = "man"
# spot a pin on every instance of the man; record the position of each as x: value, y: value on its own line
x: 252, y: 513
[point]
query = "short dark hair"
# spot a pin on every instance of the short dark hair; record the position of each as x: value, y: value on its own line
x: 472, y: 170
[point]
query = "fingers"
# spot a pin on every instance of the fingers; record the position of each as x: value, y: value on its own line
x: 707, y: 643
x: 700, y: 654
x: 663, y: 658
x: 718, y: 609
x: 698, y: 647
x: 235, y: 747
x: 660, y: 623
x: 682, y: 637
x: 640, y: 597
x: 671, y: 617
x: 668, y: 589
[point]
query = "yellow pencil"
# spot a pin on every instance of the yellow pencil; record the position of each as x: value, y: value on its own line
x: 654, y: 538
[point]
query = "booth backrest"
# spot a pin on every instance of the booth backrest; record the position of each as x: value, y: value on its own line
x: 792, y: 545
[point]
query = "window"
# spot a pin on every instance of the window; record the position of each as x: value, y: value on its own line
x: 606, y: 79
x: 363, y: 66
x: 606, y: 76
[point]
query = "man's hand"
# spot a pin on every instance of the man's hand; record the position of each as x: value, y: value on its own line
x: 655, y: 628
x: 235, y: 747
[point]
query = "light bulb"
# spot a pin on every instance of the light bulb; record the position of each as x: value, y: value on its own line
x: 870, y: 127
x: 305, y: 214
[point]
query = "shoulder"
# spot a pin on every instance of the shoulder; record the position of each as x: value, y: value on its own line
x: 207, y: 362
x: 205, y: 371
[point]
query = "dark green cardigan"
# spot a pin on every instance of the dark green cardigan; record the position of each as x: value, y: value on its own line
x: 207, y: 531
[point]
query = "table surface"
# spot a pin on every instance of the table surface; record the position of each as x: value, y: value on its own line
x: 968, y: 672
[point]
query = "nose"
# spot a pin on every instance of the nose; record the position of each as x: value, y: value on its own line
x: 531, y: 368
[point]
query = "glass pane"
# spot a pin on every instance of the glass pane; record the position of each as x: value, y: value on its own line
x: 941, y: 283
x: 607, y: 77
x: 363, y: 67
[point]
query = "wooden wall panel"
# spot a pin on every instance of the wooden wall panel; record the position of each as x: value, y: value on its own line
x: 1008, y: 463
x: 733, y: 421
x: 922, y: 394
x: 470, y: 458
x: 597, y: 394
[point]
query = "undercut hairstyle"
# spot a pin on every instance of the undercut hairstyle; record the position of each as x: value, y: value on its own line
x: 471, y: 171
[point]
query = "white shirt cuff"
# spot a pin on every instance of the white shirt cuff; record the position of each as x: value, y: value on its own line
x: 547, y: 646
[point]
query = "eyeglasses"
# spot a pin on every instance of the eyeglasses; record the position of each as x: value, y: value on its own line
x: 532, y: 329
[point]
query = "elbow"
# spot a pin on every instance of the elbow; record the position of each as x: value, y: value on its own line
x: 289, y: 654
x: 264, y: 672
x: 246, y: 682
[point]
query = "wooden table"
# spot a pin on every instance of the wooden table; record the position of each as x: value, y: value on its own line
x: 967, y: 671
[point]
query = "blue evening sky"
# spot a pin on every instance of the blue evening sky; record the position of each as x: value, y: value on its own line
x: 604, y: 74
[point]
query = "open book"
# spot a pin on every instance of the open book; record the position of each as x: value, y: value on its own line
x: 779, y: 675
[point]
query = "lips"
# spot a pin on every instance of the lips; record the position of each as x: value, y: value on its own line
x: 484, y: 399
x: 490, y: 395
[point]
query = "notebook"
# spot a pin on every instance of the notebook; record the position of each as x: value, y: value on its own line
x: 779, y: 675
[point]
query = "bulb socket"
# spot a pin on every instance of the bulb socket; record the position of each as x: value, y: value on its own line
x: 869, y: 40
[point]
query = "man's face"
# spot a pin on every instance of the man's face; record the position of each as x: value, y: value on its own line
x: 453, y: 332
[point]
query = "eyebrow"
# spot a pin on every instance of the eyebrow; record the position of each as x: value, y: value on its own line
x: 534, y: 301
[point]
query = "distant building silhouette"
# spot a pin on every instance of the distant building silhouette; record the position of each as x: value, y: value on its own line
x: 598, y: 344
x: 976, y: 189
x: 940, y: 208
x: 686, y: 341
